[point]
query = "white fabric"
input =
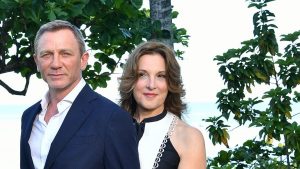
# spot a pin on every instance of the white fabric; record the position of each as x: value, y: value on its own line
x: 151, y: 140
x: 42, y: 134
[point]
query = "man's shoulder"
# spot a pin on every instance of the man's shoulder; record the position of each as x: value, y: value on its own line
x: 104, y: 101
x: 34, y: 106
x: 101, y: 102
x: 32, y: 109
x: 97, y: 97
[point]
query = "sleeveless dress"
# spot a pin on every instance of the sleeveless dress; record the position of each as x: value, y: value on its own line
x: 155, y: 148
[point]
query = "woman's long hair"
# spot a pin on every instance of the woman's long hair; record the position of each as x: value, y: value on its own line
x: 173, y: 102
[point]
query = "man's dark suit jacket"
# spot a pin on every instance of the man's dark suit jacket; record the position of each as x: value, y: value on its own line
x: 95, y: 134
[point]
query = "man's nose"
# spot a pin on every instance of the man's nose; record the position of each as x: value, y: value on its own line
x: 56, y: 61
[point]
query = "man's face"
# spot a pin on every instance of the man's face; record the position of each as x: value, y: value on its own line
x: 59, y: 61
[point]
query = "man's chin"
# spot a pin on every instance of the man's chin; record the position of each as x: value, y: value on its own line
x: 56, y: 86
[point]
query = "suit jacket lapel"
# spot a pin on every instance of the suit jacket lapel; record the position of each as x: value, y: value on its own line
x: 27, y: 131
x: 77, y: 114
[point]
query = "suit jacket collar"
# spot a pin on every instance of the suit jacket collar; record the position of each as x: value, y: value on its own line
x: 36, y: 109
x: 77, y: 114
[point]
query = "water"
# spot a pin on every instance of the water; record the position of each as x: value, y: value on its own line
x: 11, y: 111
x: 10, y: 118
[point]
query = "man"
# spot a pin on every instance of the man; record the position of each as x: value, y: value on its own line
x: 73, y: 127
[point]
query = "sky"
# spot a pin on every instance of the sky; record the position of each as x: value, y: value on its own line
x: 214, y: 27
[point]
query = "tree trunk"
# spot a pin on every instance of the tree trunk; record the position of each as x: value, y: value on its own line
x: 161, y: 10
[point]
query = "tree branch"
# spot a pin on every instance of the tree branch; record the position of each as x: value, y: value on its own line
x: 15, y: 92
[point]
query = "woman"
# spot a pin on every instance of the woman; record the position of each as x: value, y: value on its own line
x: 151, y: 89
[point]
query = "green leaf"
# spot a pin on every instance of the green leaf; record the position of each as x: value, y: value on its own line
x: 97, y: 67
x: 75, y: 10
x: 137, y: 3
x: 118, y: 3
x: 9, y: 4
x: 31, y: 14
x: 51, y: 15
x: 260, y: 75
x: 165, y: 34
x: 224, y: 157
x: 174, y: 14
x: 156, y: 25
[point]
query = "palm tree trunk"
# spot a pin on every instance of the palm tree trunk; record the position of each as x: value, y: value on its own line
x: 161, y: 10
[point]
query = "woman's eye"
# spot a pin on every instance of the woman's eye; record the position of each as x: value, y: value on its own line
x: 161, y: 76
x: 142, y: 75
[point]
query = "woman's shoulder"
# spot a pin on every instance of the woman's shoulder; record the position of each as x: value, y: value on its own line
x: 188, y: 134
x: 189, y: 143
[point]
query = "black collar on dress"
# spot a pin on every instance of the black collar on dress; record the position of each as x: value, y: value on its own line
x: 140, y: 127
x: 155, y: 118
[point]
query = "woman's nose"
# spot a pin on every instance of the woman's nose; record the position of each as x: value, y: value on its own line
x: 151, y: 84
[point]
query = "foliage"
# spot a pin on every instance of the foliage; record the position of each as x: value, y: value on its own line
x: 258, y: 63
x: 111, y: 28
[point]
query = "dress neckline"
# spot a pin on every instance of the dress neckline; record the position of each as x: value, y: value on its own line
x: 154, y: 118
x: 140, y: 127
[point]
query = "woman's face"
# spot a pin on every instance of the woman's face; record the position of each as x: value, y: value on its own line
x: 151, y: 88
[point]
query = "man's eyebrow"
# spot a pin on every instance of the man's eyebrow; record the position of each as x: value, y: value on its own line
x: 44, y: 51
x: 65, y: 50
x: 51, y: 51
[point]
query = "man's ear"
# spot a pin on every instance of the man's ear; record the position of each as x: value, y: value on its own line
x: 84, y: 60
x: 37, y: 67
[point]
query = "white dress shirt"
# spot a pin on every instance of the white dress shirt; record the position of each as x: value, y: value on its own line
x: 42, y: 134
